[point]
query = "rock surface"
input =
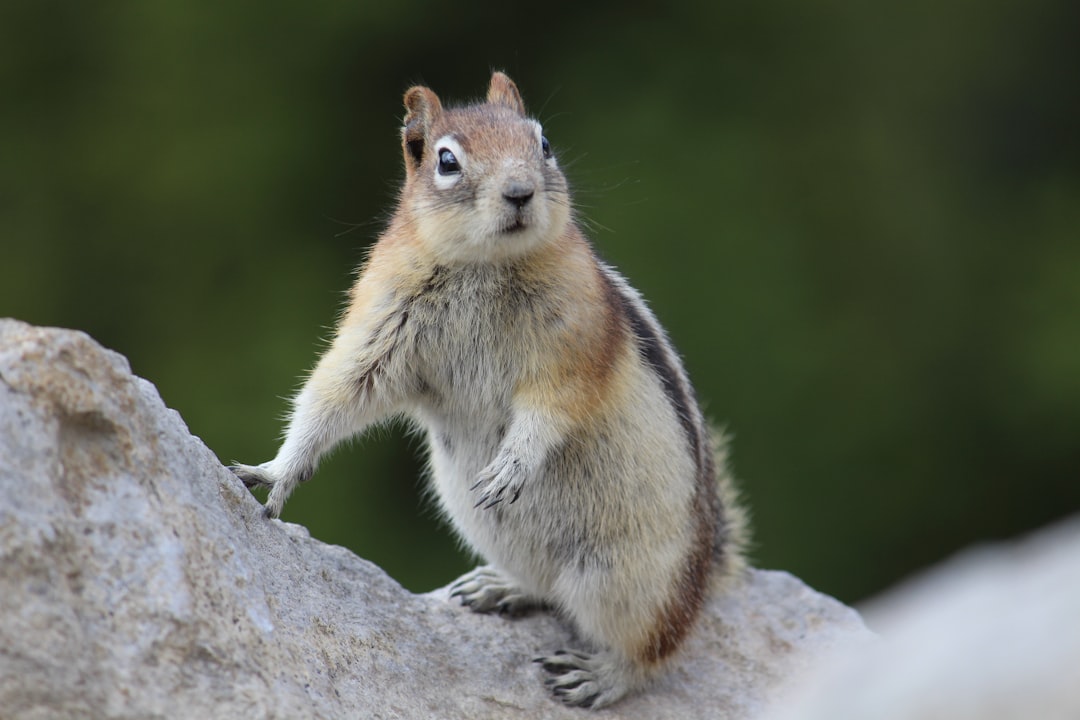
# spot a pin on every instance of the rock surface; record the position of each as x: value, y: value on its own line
x: 992, y: 634
x: 138, y: 578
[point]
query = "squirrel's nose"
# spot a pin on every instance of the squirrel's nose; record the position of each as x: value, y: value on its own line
x: 518, y: 193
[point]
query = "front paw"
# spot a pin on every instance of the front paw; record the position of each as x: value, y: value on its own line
x: 254, y: 475
x: 502, y: 479
x: 265, y: 476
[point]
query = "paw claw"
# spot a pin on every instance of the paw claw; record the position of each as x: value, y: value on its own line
x: 581, y: 680
x: 250, y: 476
x: 486, y: 590
x: 502, y: 478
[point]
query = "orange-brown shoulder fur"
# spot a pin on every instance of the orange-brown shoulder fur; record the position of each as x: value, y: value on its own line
x: 566, y: 445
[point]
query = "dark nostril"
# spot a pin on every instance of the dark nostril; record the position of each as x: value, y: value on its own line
x: 518, y: 194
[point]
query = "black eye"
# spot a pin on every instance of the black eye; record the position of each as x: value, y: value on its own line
x: 448, y: 164
x: 546, y: 147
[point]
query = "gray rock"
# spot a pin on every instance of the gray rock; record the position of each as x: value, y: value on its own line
x: 992, y: 634
x: 138, y: 578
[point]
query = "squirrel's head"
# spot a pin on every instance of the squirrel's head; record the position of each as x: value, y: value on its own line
x: 481, y: 181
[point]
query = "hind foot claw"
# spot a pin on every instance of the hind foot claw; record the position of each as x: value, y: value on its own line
x: 486, y: 590
x: 583, y: 680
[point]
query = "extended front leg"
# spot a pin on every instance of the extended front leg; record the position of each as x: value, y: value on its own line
x: 318, y: 422
x: 353, y: 385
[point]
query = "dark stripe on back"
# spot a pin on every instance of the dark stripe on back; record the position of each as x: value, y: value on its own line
x: 651, y: 348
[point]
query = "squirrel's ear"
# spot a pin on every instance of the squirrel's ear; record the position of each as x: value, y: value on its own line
x: 422, y: 107
x: 503, y: 91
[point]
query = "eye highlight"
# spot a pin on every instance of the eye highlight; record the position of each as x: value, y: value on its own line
x: 448, y: 162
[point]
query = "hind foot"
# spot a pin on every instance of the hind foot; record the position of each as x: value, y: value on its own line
x: 586, y: 680
x: 486, y: 590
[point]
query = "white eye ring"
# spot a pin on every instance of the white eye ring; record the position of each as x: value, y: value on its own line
x: 545, y: 147
x: 449, y: 162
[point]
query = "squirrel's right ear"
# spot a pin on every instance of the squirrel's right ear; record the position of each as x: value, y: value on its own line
x: 503, y: 91
x: 422, y: 108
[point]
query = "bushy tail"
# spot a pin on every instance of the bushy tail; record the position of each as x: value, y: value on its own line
x: 733, y: 529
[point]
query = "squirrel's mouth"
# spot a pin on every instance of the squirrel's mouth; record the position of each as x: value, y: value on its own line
x: 514, y: 226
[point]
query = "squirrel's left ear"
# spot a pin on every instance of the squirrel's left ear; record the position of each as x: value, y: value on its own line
x: 503, y: 91
x: 422, y: 108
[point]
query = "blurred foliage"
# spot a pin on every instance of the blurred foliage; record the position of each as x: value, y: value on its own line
x: 859, y: 221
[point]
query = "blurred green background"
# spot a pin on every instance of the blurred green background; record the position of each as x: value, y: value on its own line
x: 860, y: 223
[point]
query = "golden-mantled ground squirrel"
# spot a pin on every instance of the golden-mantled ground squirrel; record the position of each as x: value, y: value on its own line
x: 566, y: 444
